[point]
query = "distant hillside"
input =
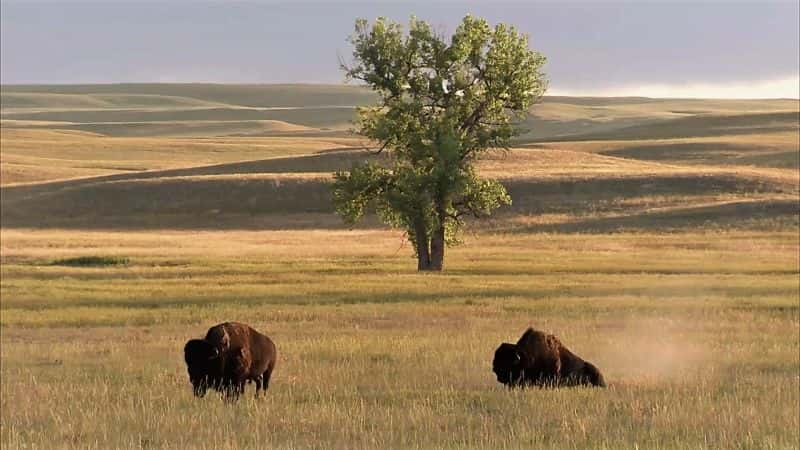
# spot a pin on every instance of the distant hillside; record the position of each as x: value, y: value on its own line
x: 248, y: 95
x: 700, y: 125
x: 237, y: 110
x: 153, y: 156
x: 37, y: 155
x: 267, y: 193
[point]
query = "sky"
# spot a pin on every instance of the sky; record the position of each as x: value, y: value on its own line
x: 710, y: 49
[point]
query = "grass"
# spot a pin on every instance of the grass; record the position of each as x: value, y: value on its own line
x: 277, y: 192
x: 697, y: 334
x: 29, y: 156
x: 701, y: 126
x: 127, y: 110
x: 774, y: 149
x: 92, y: 261
x: 657, y: 238
x: 94, y: 120
x: 254, y: 95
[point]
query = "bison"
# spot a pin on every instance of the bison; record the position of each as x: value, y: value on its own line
x: 540, y: 359
x: 230, y: 355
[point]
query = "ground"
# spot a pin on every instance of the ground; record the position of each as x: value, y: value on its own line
x: 659, y: 241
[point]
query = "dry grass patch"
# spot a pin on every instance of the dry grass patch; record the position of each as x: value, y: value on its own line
x: 696, y: 333
x: 777, y: 150
x: 45, y: 155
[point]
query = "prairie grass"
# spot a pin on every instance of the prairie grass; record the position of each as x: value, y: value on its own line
x: 131, y: 94
x: 228, y: 110
x: 45, y: 155
x: 588, y: 191
x: 91, y: 261
x: 697, y: 334
x: 761, y: 149
x: 665, y: 251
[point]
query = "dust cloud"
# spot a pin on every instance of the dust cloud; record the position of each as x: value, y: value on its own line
x: 653, y: 350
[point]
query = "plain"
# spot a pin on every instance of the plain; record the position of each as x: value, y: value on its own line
x: 657, y: 238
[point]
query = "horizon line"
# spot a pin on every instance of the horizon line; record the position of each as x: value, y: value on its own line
x: 619, y: 92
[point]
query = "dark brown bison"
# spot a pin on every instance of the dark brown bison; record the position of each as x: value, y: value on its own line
x: 230, y: 355
x: 540, y: 359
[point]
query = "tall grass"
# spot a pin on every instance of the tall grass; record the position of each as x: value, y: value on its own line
x: 697, y: 335
x: 671, y: 264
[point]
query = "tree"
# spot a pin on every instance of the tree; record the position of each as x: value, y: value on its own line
x: 441, y: 106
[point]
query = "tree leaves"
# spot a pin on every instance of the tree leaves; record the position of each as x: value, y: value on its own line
x: 441, y: 105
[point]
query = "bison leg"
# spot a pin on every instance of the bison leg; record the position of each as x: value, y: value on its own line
x: 258, y: 384
x: 199, y: 390
x: 228, y: 394
x: 265, y: 379
x: 232, y: 391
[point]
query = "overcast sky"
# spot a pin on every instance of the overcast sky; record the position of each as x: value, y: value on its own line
x: 709, y: 48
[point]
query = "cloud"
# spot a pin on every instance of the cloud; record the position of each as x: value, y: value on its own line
x: 787, y: 87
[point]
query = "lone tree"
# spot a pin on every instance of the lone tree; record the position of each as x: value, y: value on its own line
x: 441, y: 105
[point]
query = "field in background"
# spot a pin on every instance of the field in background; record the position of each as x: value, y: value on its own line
x: 198, y: 110
x: 657, y: 238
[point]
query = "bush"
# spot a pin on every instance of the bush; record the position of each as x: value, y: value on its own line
x: 92, y: 261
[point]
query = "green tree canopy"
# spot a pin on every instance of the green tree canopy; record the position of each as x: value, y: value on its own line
x: 441, y: 105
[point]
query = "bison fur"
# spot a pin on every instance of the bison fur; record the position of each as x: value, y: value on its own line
x: 231, y: 355
x: 540, y: 359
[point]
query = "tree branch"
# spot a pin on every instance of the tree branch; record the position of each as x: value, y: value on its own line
x: 379, y: 151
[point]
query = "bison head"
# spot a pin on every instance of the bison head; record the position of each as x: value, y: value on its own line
x: 202, y: 361
x: 508, y: 364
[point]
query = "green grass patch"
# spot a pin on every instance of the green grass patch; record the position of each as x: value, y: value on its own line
x: 92, y: 261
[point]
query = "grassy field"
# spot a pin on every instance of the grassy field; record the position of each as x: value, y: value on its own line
x: 659, y: 241
x: 696, y: 332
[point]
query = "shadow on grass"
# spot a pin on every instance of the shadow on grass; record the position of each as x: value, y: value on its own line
x: 272, y: 202
x: 532, y: 298
x: 711, y: 153
x: 737, y: 214
x: 698, y: 126
x: 91, y: 261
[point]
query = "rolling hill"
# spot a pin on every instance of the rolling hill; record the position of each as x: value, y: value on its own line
x: 224, y: 110
x: 149, y: 156
x: 565, y: 186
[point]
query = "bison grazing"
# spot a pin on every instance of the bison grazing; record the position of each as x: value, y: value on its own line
x: 229, y: 356
x: 540, y: 359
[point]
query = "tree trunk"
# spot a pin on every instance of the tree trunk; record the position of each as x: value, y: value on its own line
x: 437, y: 240
x: 430, y: 252
x: 437, y: 249
x: 423, y: 250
